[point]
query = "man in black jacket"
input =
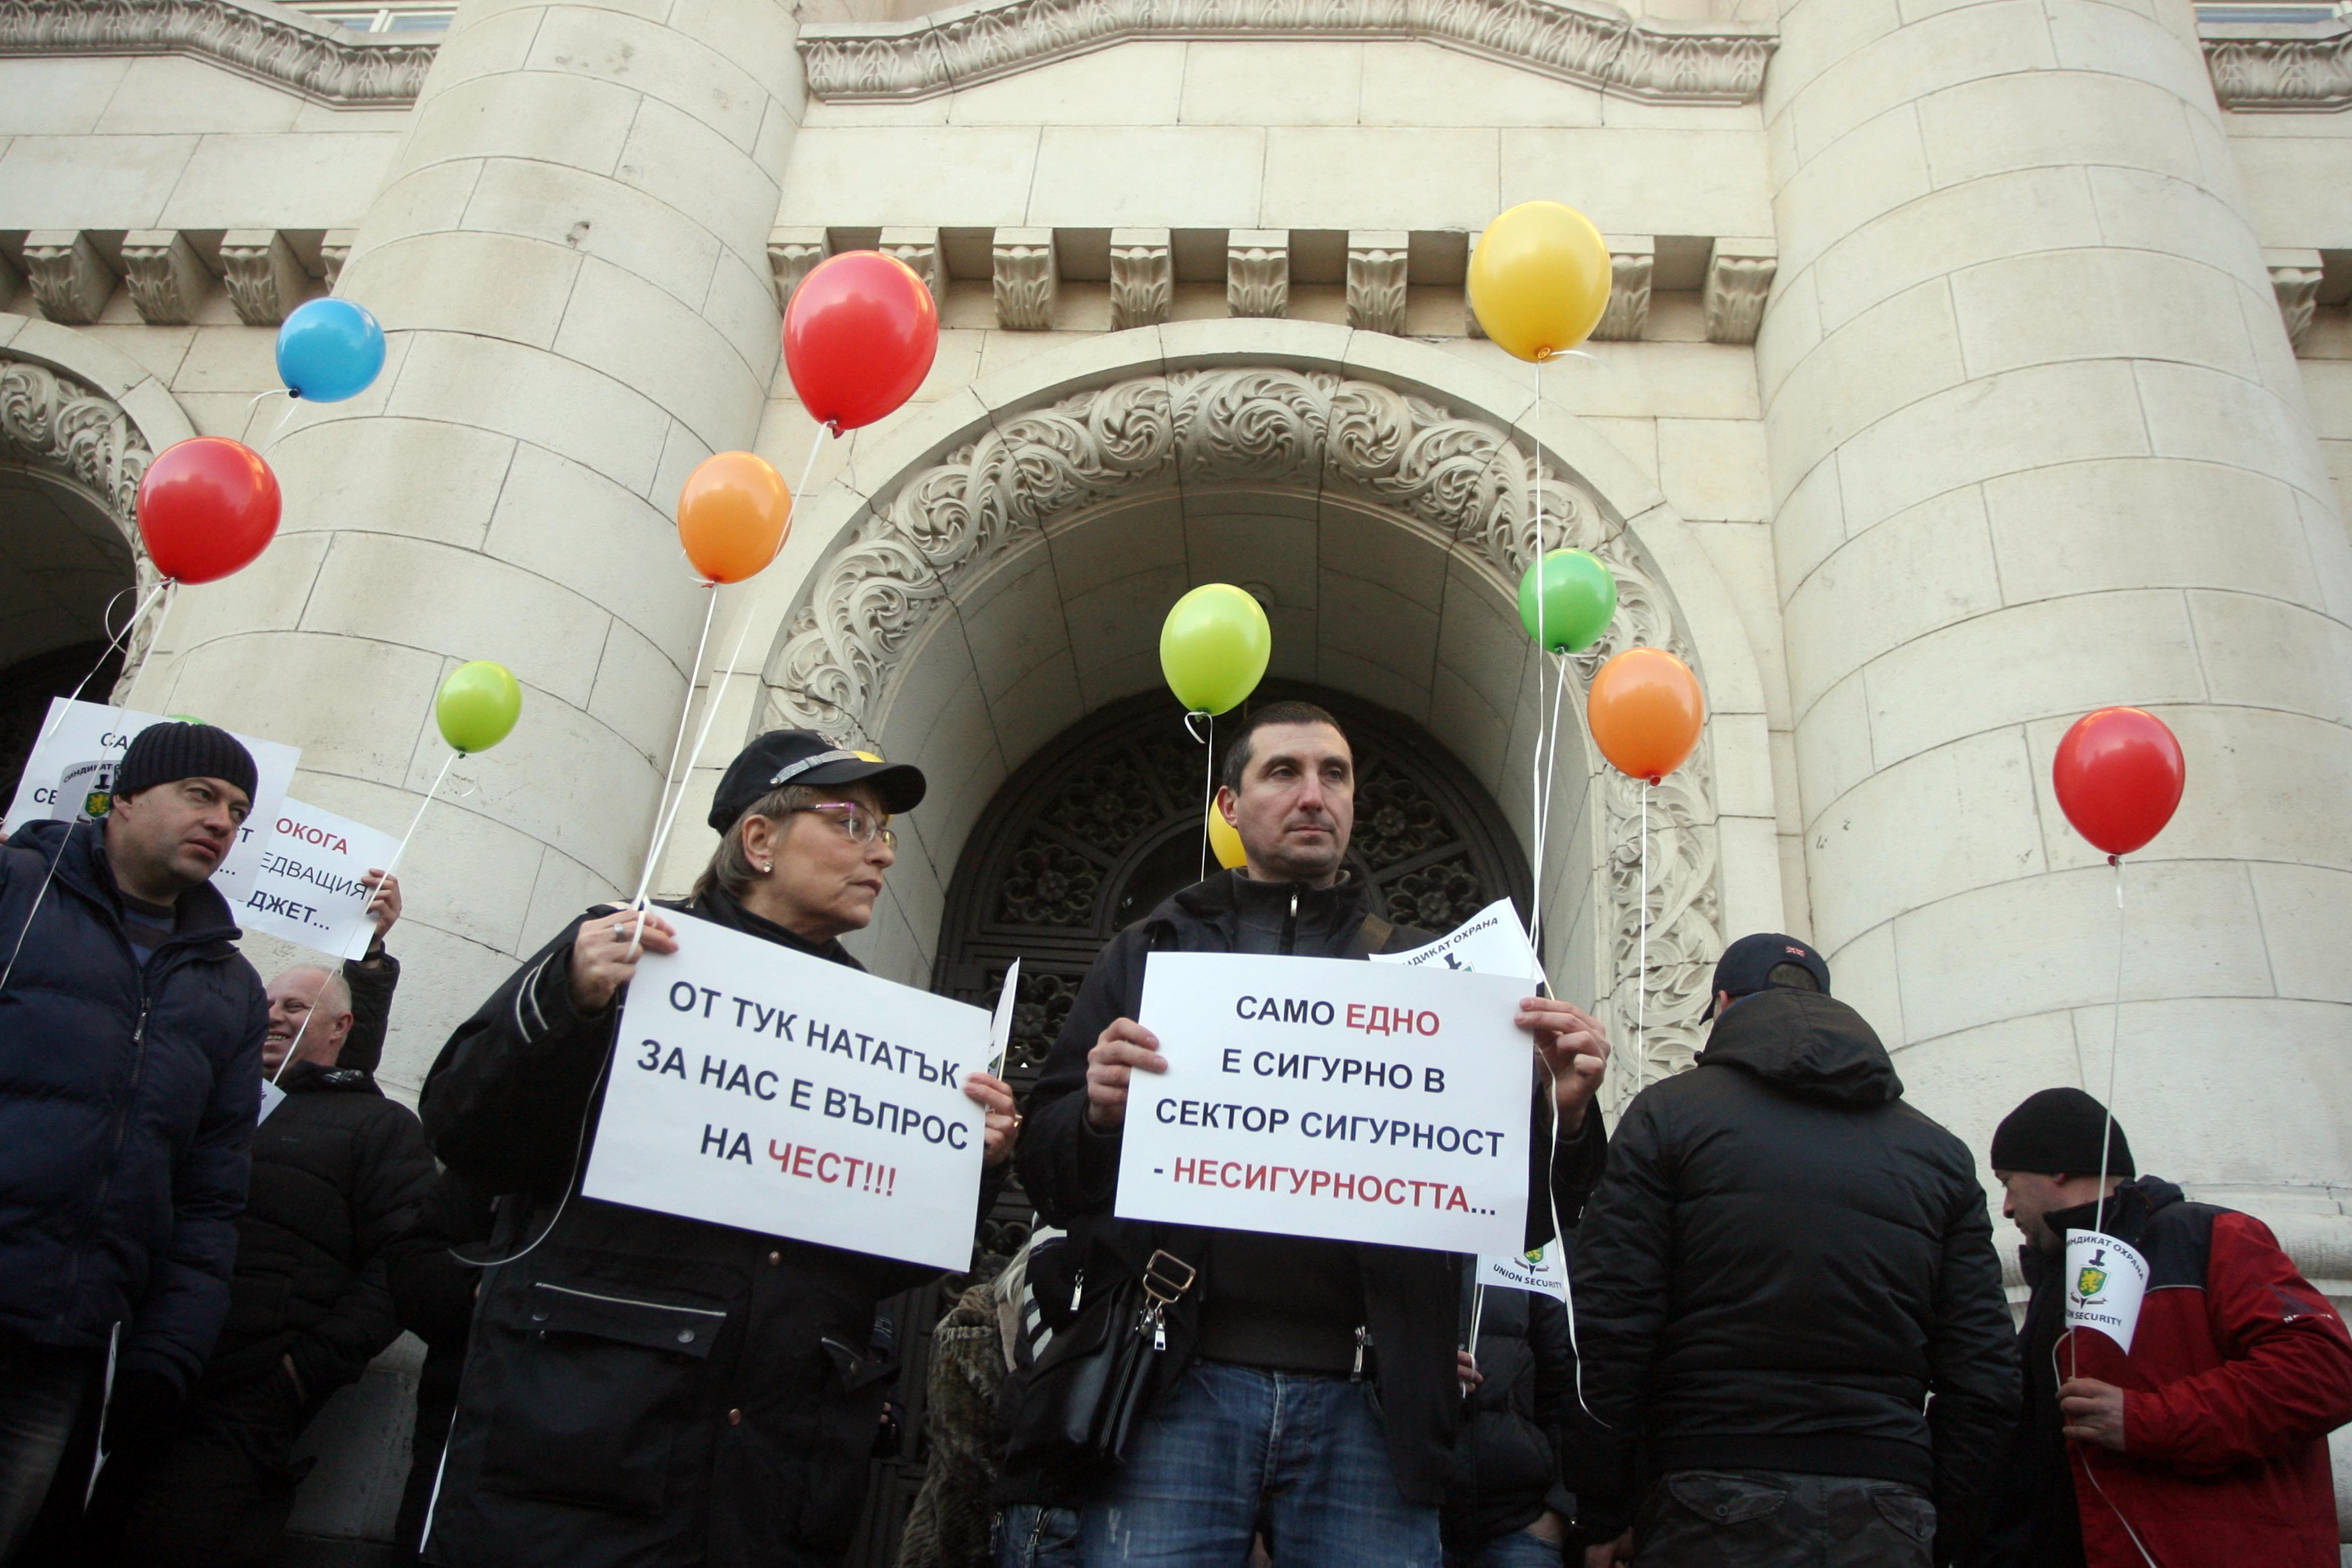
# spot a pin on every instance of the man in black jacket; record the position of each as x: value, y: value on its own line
x: 1782, y: 1266
x: 1332, y: 1361
x: 338, y: 1173
x: 1507, y: 1508
x: 130, y: 1039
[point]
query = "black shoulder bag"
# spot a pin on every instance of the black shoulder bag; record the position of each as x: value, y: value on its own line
x: 1076, y: 1406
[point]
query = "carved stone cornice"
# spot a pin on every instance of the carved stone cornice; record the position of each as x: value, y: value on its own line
x: 1024, y: 279
x: 1738, y: 280
x: 166, y: 277
x: 1631, y: 265
x: 1257, y: 272
x: 69, y: 276
x: 1378, y: 264
x: 264, y: 278
x: 2280, y: 66
x: 328, y: 64
x: 1461, y: 481
x: 1573, y: 40
x: 1142, y: 277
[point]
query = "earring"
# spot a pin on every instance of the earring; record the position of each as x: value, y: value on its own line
x: 767, y: 866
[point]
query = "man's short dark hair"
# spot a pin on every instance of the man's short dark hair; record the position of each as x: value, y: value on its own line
x: 1795, y: 977
x: 1289, y: 711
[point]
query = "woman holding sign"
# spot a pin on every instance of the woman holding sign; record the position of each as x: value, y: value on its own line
x: 643, y: 1386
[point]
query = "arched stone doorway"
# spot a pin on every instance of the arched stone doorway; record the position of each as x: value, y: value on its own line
x: 71, y: 458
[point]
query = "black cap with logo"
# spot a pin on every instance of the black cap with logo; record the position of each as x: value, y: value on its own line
x: 1747, y: 964
x: 784, y: 756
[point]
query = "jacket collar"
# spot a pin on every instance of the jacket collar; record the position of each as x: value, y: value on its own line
x: 1221, y: 901
x: 721, y: 908
x: 317, y: 1078
x: 2125, y: 1218
x: 79, y: 849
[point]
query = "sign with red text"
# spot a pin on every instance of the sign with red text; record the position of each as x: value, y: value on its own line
x: 1329, y: 1098
x: 310, y: 886
x: 70, y: 777
x: 756, y: 1086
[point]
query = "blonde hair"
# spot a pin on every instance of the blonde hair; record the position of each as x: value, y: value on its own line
x: 730, y: 864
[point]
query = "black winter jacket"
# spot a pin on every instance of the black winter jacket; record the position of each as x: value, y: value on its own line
x: 1509, y: 1450
x: 127, y: 1099
x: 1412, y: 1297
x: 639, y: 1388
x: 1782, y: 1264
x: 338, y: 1173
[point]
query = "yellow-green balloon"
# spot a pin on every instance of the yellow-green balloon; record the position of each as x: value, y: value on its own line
x: 1213, y: 647
x: 477, y: 705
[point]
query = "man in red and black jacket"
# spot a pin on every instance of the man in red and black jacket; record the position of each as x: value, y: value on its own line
x: 2206, y: 1444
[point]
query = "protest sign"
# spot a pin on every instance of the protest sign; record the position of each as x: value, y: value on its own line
x: 756, y: 1086
x: 272, y: 1097
x: 1000, y: 1023
x: 1491, y: 942
x: 1322, y: 1097
x: 69, y: 777
x: 310, y: 886
x: 2105, y: 1281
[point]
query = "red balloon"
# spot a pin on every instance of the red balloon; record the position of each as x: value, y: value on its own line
x: 206, y: 508
x: 859, y: 337
x: 2120, y: 775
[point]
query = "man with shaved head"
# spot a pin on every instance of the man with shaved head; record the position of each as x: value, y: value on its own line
x: 338, y: 1171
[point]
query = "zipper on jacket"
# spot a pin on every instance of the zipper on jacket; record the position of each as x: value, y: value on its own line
x: 121, y: 1132
x: 1363, y: 1343
x: 1290, y: 923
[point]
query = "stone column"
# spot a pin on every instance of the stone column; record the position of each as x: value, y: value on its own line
x: 2039, y: 444
x: 569, y: 255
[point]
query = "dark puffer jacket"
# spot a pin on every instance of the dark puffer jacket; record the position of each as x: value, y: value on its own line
x: 1783, y: 1263
x: 127, y: 1099
x: 1411, y: 1296
x: 338, y: 1173
x: 1510, y: 1442
x: 640, y: 1388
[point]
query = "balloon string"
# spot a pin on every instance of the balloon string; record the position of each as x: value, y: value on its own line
x: 710, y: 715
x: 1536, y: 784
x: 120, y: 640
x: 1209, y: 775
x: 1642, y: 956
x: 2114, y: 1045
x: 402, y: 848
x: 677, y: 744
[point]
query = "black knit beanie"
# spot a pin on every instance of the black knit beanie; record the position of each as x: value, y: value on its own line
x: 2057, y: 1131
x: 164, y: 753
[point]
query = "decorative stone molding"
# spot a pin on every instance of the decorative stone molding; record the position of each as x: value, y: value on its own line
x: 335, y: 249
x: 1572, y: 40
x: 1738, y: 278
x: 70, y: 277
x: 1631, y: 263
x: 1459, y: 480
x: 166, y: 277
x: 328, y: 64
x: 2294, y: 278
x: 918, y: 248
x: 1257, y: 272
x: 1024, y: 278
x: 1142, y: 277
x: 792, y: 255
x: 2284, y: 67
x: 1376, y: 281
x: 52, y: 421
x: 264, y: 278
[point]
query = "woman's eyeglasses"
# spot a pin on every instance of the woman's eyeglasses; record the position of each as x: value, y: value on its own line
x: 862, y: 825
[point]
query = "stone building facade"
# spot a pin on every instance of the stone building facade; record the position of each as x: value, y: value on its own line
x: 1971, y: 365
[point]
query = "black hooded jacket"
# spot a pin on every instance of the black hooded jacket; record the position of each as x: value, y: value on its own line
x: 1510, y: 1447
x: 1411, y: 1297
x: 1783, y: 1262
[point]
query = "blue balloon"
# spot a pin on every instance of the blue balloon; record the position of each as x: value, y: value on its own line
x: 330, y: 349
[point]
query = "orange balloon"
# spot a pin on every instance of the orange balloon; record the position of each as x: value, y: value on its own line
x: 1645, y: 710
x: 733, y: 516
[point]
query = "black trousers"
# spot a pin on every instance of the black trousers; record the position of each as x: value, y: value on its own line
x: 214, y: 1490
x: 44, y: 1393
x: 1765, y: 1519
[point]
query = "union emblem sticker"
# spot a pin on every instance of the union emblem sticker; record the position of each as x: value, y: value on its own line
x: 2090, y: 1282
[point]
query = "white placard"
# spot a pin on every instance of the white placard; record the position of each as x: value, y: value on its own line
x: 86, y: 744
x: 1326, y: 1097
x: 2105, y: 1281
x: 272, y: 1097
x: 1538, y: 1272
x: 1491, y: 942
x: 1000, y: 1023
x: 759, y: 1087
x: 310, y: 886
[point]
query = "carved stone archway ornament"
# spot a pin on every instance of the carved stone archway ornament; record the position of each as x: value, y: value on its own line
x: 1457, y: 479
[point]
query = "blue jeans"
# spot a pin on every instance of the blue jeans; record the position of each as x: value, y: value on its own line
x: 1029, y: 1536
x: 1520, y: 1549
x: 1232, y: 1450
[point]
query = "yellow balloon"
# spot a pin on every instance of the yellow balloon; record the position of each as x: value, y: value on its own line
x: 1224, y: 841
x: 1540, y: 280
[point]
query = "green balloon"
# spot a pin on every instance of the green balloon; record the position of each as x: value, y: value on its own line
x: 1579, y: 597
x: 1213, y: 647
x: 477, y: 705
x: 184, y: 718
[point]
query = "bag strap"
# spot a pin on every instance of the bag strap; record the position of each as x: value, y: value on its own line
x: 1377, y: 934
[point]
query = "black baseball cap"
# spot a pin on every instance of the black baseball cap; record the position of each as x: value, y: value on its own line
x: 784, y: 756
x: 1747, y: 964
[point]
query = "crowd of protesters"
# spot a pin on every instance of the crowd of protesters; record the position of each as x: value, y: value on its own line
x: 1786, y: 1340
